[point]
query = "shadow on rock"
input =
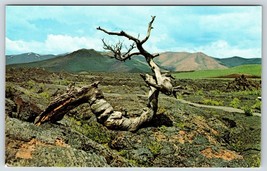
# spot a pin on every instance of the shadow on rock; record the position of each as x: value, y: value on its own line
x: 160, y: 120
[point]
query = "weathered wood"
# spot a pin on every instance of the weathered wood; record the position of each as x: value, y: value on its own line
x: 103, y: 110
x: 63, y: 104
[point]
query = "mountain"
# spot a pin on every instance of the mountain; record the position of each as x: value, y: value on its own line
x: 91, y: 60
x: 184, y: 61
x: 236, y: 61
x: 26, y: 58
x: 88, y: 60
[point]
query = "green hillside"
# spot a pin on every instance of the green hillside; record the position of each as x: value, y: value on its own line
x: 87, y: 60
x: 237, y: 61
x: 254, y: 70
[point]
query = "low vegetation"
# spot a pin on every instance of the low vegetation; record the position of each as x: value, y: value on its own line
x: 251, y: 70
x: 180, y: 135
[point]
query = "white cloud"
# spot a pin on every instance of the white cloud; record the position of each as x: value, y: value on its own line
x: 54, y: 44
x: 21, y: 46
x: 222, y: 49
x: 177, y: 28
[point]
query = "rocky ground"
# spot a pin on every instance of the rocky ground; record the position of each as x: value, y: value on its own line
x: 180, y: 135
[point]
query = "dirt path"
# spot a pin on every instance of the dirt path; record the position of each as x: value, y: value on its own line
x: 224, y: 108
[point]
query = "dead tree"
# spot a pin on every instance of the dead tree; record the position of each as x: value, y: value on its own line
x: 105, y: 113
x: 157, y: 82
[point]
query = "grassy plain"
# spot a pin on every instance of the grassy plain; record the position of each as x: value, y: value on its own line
x: 253, y: 70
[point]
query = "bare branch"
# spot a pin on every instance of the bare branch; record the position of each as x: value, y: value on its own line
x: 137, y: 44
x: 117, y: 50
x: 156, y: 55
x: 132, y: 46
x: 148, y: 30
x: 114, y: 48
x: 122, y: 33
x: 128, y: 56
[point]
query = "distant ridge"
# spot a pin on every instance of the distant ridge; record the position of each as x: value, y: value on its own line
x: 91, y: 60
x: 185, y: 61
x: 26, y: 57
x: 237, y: 61
x: 87, y: 60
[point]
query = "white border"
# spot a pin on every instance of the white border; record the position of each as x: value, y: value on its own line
x: 3, y: 3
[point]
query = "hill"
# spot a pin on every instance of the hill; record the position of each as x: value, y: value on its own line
x: 26, y: 58
x: 184, y: 61
x: 88, y: 60
x: 91, y: 60
x: 249, y: 70
x: 237, y: 61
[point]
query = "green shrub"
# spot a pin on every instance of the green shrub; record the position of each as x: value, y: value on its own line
x: 180, y: 125
x: 133, y: 162
x: 123, y: 152
x: 215, y: 92
x: 254, y: 161
x: 179, y: 96
x: 257, y: 105
x: 212, y: 102
x: 45, y: 95
x: 200, y: 92
x: 92, y: 130
x: 248, y: 92
x: 248, y: 111
x: 235, y: 103
x: 161, y: 110
x: 163, y: 128
x: 96, y: 132
x: 199, y: 139
x: 31, y: 83
x: 155, y: 147
x: 64, y: 82
x: 41, y: 88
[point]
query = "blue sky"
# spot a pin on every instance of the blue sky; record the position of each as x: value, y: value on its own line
x: 218, y: 31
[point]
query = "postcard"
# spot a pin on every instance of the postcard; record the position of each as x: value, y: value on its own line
x: 133, y: 86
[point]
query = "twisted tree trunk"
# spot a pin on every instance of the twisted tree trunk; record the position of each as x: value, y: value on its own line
x: 100, y: 107
x: 105, y: 113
